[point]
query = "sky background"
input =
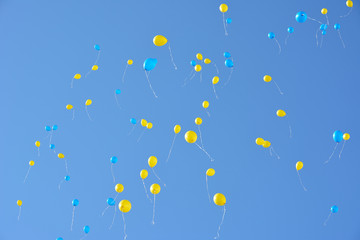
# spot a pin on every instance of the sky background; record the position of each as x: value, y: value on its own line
x: 45, y: 43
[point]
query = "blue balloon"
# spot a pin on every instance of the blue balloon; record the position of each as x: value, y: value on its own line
x: 86, y: 229
x: 133, y: 121
x: 117, y: 91
x: 55, y: 127
x: 67, y: 178
x: 323, y: 26
x: 227, y: 55
x: 110, y: 201
x: 97, y: 47
x: 229, y: 63
x: 301, y: 17
x: 113, y: 159
x: 337, y: 26
x: 323, y: 32
x: 59, y: 238
x: 334, y: 209
x: 193, y: 63
x: 52, y: 146
x: 75, y: 202
x: 150, y: 64
x: 47, y: 128
x: 271, y: 35
x: 228, y: 20
x: 338, y: 136
x: 290, y: 29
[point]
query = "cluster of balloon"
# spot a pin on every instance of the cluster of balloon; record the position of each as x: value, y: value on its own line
x: 128, y: 63
x: 177, y: 129
x: 282, y: 113
x: 350, y: 5
x: 267, y: 144
x: 133, y: 122
x: 146, y: 125
x: 191, y: 137
x: 143, y: 175
x: 75, y: 203
x: 88, y: 102
x: 62, y: 156
x: 31, y: 163
x: 160, y: 41
x: 154, y: 189
x: 116, y: 93
x: 322, y: 28
x: 86, y: 230
x: 210, y: 172
x: 271, y: 35
x: 152, y: 161
x: 19, y: 203
x: 223, y: 9
x: 337, y: 28
x: 95, y: 67
x: 268, y: 78
x: 113, y: 160
x: 66, y: 179
x: 110, y: 203
x: 149, y: 64
x: 299, y: 165
x: 51, y: 130
x: 77, y: 77
x: 124, y: 207
x: 333, y: 209
x: 37, y: 144
x: 69, y: 107
x: 220, y: 200
x: 338, y: 136
x: 215, y: 80
x: 290, y: 31
x: 198, y: 67
x: 229, y: 63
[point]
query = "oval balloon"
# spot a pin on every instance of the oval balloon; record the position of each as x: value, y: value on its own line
x: 227, y: 54
x: 77, y: 76
x: 177, y: 129
x: 113, y: 160
x: 149, y: 125
x: 301, y: 17
x: 60, y: 155
x: 299, y: 165
x: 210, y: 172
x: 97, y: 47
x: 37, y: 143
x: 323, y: 27
x: 215, y: 80
x: 323, y: 32
x: 337, y: 26
x: 88, y: 102
x: 133, y: 121
x: 290, y: 29
x: 143, y: 122
x: 55, y: 127
x: 207, y: 61
x: 67, y: 178
x: 198, y: 121
x: 75, y: 202
x: 155, y: 188
x: 193, y: 63
x: 69, y: 107
x: 229, y: 63
x: 19, y: 203
x: 334, y: 209
x: 31, y: 163
x: 124, y: 206
x: 219, y: 199
x: 95, y: 67
x: 152, y: 161
x: 149, y: 64
x: 205, y: 104
x: 159, y: 40
x: 223, y: 8
x: 338, y: 136
x: 199, y: 56
x: 197, y: 68
x: 349, y: 3
x: 271, y: 35
x: 267, y: 78
x: 266, y: 144
x: 259, y: 141
x: 86, y: 229
x: 52, y: 146
x: 346, y: 136
x: 190, y: 136
x: 130, y: 62
x: 280, y: 113
x: 144, y: 173
x: 119, y: 188
x: 47, y: 128
x: 324, y: 11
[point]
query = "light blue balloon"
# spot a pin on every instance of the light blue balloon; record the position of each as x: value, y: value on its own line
x: 52, y: 146
x: 117, y: 91
x: 193, y: 63
x: 149, y: 64
x: 86, y: 229
x: 301, y: 17
x: 271, y: 35
x: 334, y: 209
x: 290, y: 29
x: 55, y: 127
x: 48, y: 128
x: 323, y: 26
x: 337, y: 26
x: 227, y: 55
x: 229, y: 63
x: 338, y: 136
x: 228, y: 20
x: 133, y: 120
x: 113, y: 160
x: 75, y: 202
x: 323, y: 32
x: 110, y: 201
x: 97, y: 47
x: 67, y: 178
x: 59, y: 238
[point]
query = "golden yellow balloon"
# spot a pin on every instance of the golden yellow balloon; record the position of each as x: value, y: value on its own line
x: 223, y: 8
x: 205, y: 104
x: 299, y: 165
x: 346, y: 136
x: 88, y: 102
x: 159, y: 40
x: 198, y: 121
x: 143, y: 122
x: 177, y: 129
x: 197, y: 68
x: 259, y: 141
x: 219, y: 199
x: 69, y: 107
x: 281, y: 113
x: 199, y: 56
x: 210, y: 172
x: 31, y: 163
x: 149, y: 125
x: 60, y: 155
x: 130, y: 62
x: 152, y: 161
x: 349, y: 3
x: 266, y: 144
x: 77, y: 76
x: 19, y: 203
x: 324, y: 11
x: 190, y: 136
x: 95, y: 67
x: 37, y: 143
x: 267, y: 78
x: 124, y: 206
x: 207, y: 61
x: 155, y: 188
x: 144, y: 173
x: 215, y: 80
x: 119, y: 188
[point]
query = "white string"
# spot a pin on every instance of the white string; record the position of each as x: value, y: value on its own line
x: 273, y: 151
x: 215, y: 92
x: 347, y: 13
x: 125, y: 236
x: 286, y: 39
x: 314, y: 20
x: 19, y: 213
x: 112, y: 172
x: 51, y: 134
x: 201, y: 141
x: 301, y: 181
x: 207, y: 112
x: 322, y: 38
x: 157, y: 176
x: 147, y: 195
x: 342, y: 150
x: 331, y: 154
x: 38, y: 152
x: 316, y: 37
x: 226, y: 33
x: 113, y: 219
x: 290, y: 129
x: 59, y: 186
x: 27, y: 174
x: 66, y: 167
x: 327, y: 219
x: 172, y: 145
x: 185, y: 82
x: 278, y: 45
x: 171, y: 56
x: 117, y: 102
x: 211, y: 159
x: 141, y: 135
x: 131, y: 130
x: 102, y: 214
x: 222, y: 220
x: 232, y: 69
x: 342, y: 41
x: 153, y: 219
x: 147, y: 77
x: 88, y: 113
x: 72, y: 220
x: 277, y: 86
x: 207, y: 188
x: 123, y: 77
x: 217, y: 70
x: 327, y: 20
x: 116, y: 196
x: 98, y: 57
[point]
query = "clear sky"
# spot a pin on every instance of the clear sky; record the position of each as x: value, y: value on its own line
x: 45, y: 43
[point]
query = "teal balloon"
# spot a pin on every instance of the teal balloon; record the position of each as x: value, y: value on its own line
x: 97, y: 47
x: 338, y: 136
x: 67, y: 178
x: 59, y: 238
x: 149, y: 64
x: 86, y: 229
x: 301, y: 17
x: 323, y: 26
x: 52, y: 146
x: 290, y: 29
x: 228, y: 20
x: 227, y: 55
x: 133, y: 121
x: 323, y: 32
x: 271, y: 35
x: 113, y: 160
x: 117, y: 91
x: 75, y: 202
x: 55, y: 127
x: 229, y: 63
x: 337, y: 26
x: 193, y: 63
x: 334, y: 209
x: 110, y: 201
x: 48, y: 128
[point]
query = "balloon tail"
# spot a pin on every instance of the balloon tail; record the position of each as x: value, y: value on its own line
x: 171, y: 56
x: 98, y: 57
x: 147, y: 77
x: 342, y: 41
x: 88, y: 113
x: 342, y: 150
x: 327, y: 20
x: 278, y: 45
x: 322, y: 39
x: 286, y: 39
x: 290, y: 129
x: 217, y: 70
x: 207, y: 113
x: 172, y: 145
x: 72, y: 220
x: 327, y: 219
x: 201, y: 141
x: 66, y: 166
x: 347, y: 13
x: 51, y: 134
x: 314, y: 20
x: 331, y: 154
x: 88, y: 73
x: 102, y: 214
x: 316, y: 37
x: 277, y: 86
x: 125, y: 236
x: 59, y: 186
x: 211, y: 159
x: 112, y: 223
x: 226, y: 33
x: 153, y: 219
x: 185, y: 80
x: 112, y: 173
x: 222, y: 220
x: 19, y: 213
x: 207, y: 189
x: 131, y: 130
x: 27, y: 174
x: 116, y: 196
x: 273, y: 151
x: 117, y: 102
x: 227, y: 82
x: 123, y: 77
x: 147, y: 195
x: 158, y: 177
x: 141, y: 135
x: 215, y: 92
x: 301, y: 181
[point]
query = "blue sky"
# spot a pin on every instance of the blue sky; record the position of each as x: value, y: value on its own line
x: 44, y: 44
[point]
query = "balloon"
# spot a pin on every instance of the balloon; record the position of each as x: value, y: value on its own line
x: 152, y: 161
x: 323, y: 32
x: 334, y: 209
x: 144, y: 173
x: 349, y: 3
x: 301, y: 17
x: 47, y: 128
x: 177, y: 129
x: 197, y: 68
x: 95, y: 67
x: 67, y: 178
x: 97, y: 47
x: 223, y: 8
x: 324, y: 11
x: 119, y: 188
x: 210, y: 172
x: 229, y: 63
x: 159, y: 40
x: 338, y: 136
x: 31, y: 163
x: 215, y: 80
x: 130, y: 62
x: 37, y: 144
x: 55, y: 127
x: 190, y: 136
x: 75, y: 202
x: 117, y: 91
x: 205, y: 104
x: 199, y: 56
x: 198, y: 121
x: 52, y: 146
x: 346, y: 136
x: 271, y: 35
x: 219, y: 199
x: 266, y: 144
x: 149, y: 125
x: 228, y: 20
x: 88, y: 102
x: 113, y: 160
x: 86, y: 229
x: 299, y: 165
x: 227, y: 54
x: 59, y: 238
x: 110, y: 201
x: 267, y: 78
x: 207, y: 61
x: 290, y: 29
x: 281, y: 113
x: 69, y: 107
x: 337, y: 26
x: 19, y: 203
x: 155, y: 188
x: 143, y: 122
x: 124, y: 206
x: 259, y: 141
x: 77, y: 76
x: 60, y: 155
x: 150, y: 64
x: 323, y: 27
x: 133, y: 120
x: 193, y: 63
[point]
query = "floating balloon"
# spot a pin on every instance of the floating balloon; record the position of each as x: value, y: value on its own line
x: 215, y: 81
x: 193, y: 63
x: 301, y: 17
x: 299, y: 165
x: 62, y: 156
x: 159, y: 41
x: 66, y: 178
x: 230, y: 64
x: 191, y: 137
x: 124, y: 207
x: 346, y: 137
x: 59, y: 238
x: 268, y: 78
x: 47, y: 128
x: 149, y: 64
x: 198, y: 122
x: 86, y: 229
x: 197, y: 68
x: 199, y: 56
x: 266, y: 144
x: 113, y: 160
x: 97, y: 47
x: 117, y: 92
x: 207, y: 61
x: 337, y: 28
x: 333, y: 209
x: 227, y: 55
x: 220, y: 200
x: 52, y: 146
x: 323, y: 26
x: 19, y: 203
x: 95, y: 67
x: 152, y: 161
x: 259, y: 141
x: 338, y: 137
x: 224, y: 8
x: 228, y: 20
x: 77, y: 77
x: 209, y: 173
x: 271, y: 35
x: 31, y: 163
x: 133, y: 121
x: 282, y: 113
x: 177, y: 129
x: 324, y: 11
x: 69, y: 107
x: 149, y: 125
x: 75, y: 203
x: 290, y: 31
x: 205, y: 105
x: 143, y: 175
x: 143, y: 122
x: 119, y: 188
x: 154, y: 189
x: 128, y: 63
x: 88, y: 102
x: 37, y: 144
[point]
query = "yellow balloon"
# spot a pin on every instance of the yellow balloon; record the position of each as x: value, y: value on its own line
x: 215, y: 80
x: 210, y: 172
x: 60, y: 155
x: 124, y: 206
x: 346, y: 136
x: 190, y: 136
x: 119, y: 188
x: 88, y: 102
x: 207, y: 61
x: 205, y: 104
x: 281, y: 113
x: 159, y: 40
x: 266, y: 144
x: 69, y: 107
x: 198, y: 121
x: 149, y: 125
x: 299, y: 165
x: 259, y: 141
x: 77, y: 76
x: 143, y: 122
x: 219, y: 199
x: 349, y: 3
x: 37, y: 143
x: 199, y: 56
x: 95, y: 67
x: 130, y: 62
x: 19, y: 203
x: 31, y: 163
x: 223, y: 8
x: 267, y: 78
x: 177, y: 129
x: 324, y: 11
x: 155, y: 188
x: 152, y: 161
x: 144, y: 173
x: 197, y: 68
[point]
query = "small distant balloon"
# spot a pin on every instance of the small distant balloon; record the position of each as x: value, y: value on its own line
x: 338, y: 136
x: 48, y: 128
x: 290, y: 29
x: 228, y: 20
x: 133, y: 121
x: 227, y: 55
x: 271, y: 35
x: 117, y: 91
x: 193, y: 63
x: 113, y: 160
x: 110, y: 201
x: 97, y: 47
x: 337, y: 26
x: 55, y: 127
x: 86, y: 229
x: 229, y: 63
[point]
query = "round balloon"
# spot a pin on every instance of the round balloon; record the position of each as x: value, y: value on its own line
x: 290, y: 29
x: 349, y: 3
x: 229, y: 63
x: 193, y: 63
x: 324, y: 11
x: 47, y: 128
x: 113, y: 160
x: 86, y: 229
x: 110, y: 201
x: 259, y: 141
x: 210, y: 172
x: 271, y: 35
x: 55, y: 127
x: 149, y: 125
x: 159, y: 40
x: 323, y: 27
x: 227, y: 54
x: 124, y: 206
x: 133, y: 121
x: 197, y: 68
x: 215, y: 80
x: 281, y: 113
x: 205, y: 104
x: 130, y: 62
x: 334, y: 209
x: 52, y: 146
x: 77, y: 76
x: 117, y: 91
x: 143, y: 122
x: 37, y: 143
x: 19, y: 203
x: 88, y: 102
x: 337, y: 26
x: 97, y: 47
x: 177, y: 129
x: 266, y: 144
x: 75, y: 202
x: 301, y: 17
x: 60, y: 155
x: 219, y: 199
x: 190, y: 136
x: 267, y: 78
x: 119, y: 188
x: 67, y: 178
x: 95, y: 67
x: 223, y: 8
x: 228, y: 20
x: 299, y: 165
x: 152, y: 161
x: 144, y: 173
x: 198, y: 121
x: 155, y: 188
x: 207, y: 61
x: 31, y: 163
x: 346, y: 136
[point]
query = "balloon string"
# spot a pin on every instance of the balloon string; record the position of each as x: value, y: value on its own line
x: 185, y: 82
x: 207, y: 188
x: 193, y: 76
x: 171, y: 56
x: 314, y: 20
x: 153, y: 219
x: 113, y: 219
x: 290, y: 129
x: 88, y: 72
x: 147, y: 77
x: 73, y: 115
x: 301, y: 181
x: 172, y: 145
x: 141, y: 135
x: 273, y: 151
x: 125, y: 236
x: 147, y: 195
x: 316, y: 37
x: 342, y: 41
x: 123, y: 77
x: 222, y: 220
x: 207, y: 113
x: 88, y: 113
x: 278, y: 45
x: 277, y: 86
x: 201, y: 141
x: 322, y: 38
x: 117, y: 102
x: 51, y: 134
x: 116, y: 196
x: 157, y: 176
x: 112, y: 173
x: 227, y: 82
x: 66, y: 166
x: 217, y: 70
x: 226, y: 33
x: 211, y: 159
x: 19, y: 213
x: 27, y: 174
x: 98, y: 57
x: 347, y: 13
x: 131, y: 130
x: 286, y: 39
x: 59, y: 186
x: 72, y: 220
x: 215, y: 92
x: 327, y: 219
x: 327, y: 20
x: 331, y: 154
x: 342, y: 150
x: 103, y: 212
